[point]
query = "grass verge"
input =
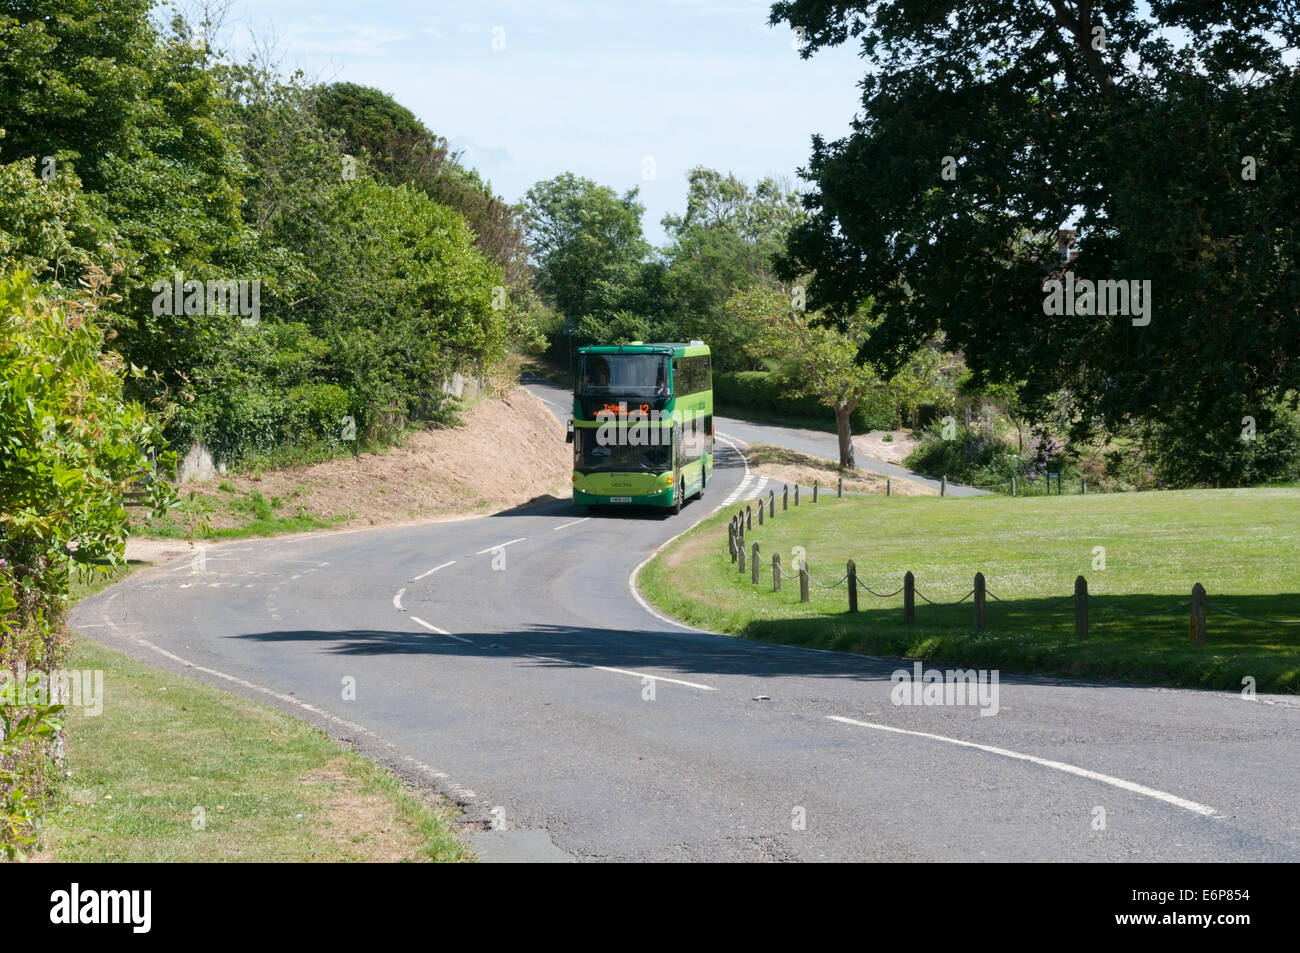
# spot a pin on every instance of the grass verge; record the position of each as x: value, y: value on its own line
x: 1240, y: 544
x: 173, y: 770
x: 244, y: 514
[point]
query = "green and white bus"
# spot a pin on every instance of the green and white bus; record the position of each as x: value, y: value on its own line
x: 642, y: 428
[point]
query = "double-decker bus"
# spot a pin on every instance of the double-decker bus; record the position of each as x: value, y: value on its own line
x: 642, y: 429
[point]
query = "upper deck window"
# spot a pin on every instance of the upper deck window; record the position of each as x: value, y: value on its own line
x: 619, y: 375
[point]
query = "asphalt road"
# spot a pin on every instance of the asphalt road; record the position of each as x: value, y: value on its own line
x: 506, y: 661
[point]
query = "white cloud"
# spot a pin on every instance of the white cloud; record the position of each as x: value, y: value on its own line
x: 351, y: 39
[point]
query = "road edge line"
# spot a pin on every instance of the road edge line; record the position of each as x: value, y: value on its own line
x: 631, y: 580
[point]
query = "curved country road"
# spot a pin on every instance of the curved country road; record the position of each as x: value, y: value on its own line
x: 506, y: 661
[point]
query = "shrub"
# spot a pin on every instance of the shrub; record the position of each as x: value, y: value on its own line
x: 70, y: 449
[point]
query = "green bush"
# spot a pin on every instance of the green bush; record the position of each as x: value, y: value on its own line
x: 314, y: 413
x: 970, y: 456
x: 70, y: 449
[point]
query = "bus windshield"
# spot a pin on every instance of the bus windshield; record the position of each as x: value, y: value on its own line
x: 592, y: 456
x: 616, y: 375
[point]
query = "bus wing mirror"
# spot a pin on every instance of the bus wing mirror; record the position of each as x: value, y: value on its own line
x: 568, y: 436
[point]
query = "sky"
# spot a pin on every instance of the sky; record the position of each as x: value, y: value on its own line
x: 628, y: 94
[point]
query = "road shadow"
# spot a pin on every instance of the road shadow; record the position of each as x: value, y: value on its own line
x: 690, y: 656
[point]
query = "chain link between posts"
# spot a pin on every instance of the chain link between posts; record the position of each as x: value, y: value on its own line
x: 1173, y: 610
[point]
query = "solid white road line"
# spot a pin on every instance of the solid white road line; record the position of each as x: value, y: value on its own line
x: 433, y: 570
x: 434, y: 628
x: 397, y: 600
x: 439, y: 778
x: 624, y: 671
x: 1043, y: 762
x: 631, y: 580
x: 500, y: 546
x: 567, y: 525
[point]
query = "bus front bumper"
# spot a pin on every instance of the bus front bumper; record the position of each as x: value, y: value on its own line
x: 664, y: 498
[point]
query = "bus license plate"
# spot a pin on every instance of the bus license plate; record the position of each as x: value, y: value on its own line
x: 620, y: 499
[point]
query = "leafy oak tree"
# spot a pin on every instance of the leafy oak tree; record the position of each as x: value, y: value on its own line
x: 822, y: 359
x: 1163, y: 130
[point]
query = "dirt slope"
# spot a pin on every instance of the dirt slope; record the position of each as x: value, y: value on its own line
x: 508, y: 451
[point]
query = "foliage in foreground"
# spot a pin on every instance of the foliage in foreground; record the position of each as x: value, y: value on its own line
x: 71, y: 448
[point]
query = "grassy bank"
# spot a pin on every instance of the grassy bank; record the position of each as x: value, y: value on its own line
x: 173, y: 770
x: 231, y: 514
x: 1240, y: 544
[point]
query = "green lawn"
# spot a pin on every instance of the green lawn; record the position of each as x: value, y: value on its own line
x: 270, y: 787
x: 1242, y: 545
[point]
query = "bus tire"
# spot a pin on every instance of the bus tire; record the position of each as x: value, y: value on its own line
x: 677, y: 499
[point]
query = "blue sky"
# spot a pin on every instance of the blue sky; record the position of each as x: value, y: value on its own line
x: 591, y: 88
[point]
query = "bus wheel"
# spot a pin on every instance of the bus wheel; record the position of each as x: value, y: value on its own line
x: 677, y: 499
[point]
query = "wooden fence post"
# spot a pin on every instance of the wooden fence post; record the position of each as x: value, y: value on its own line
x: 980, y: 617
x: 771, y: 502
x: 803, y: 580
x: 753, y: 566
x: 785, y: 497
x: 1013, y: 485
x: 749, y: 516
x: 814, y: 491
x: 943, y: 486
x: 796, y: 494
x: 776, y: 572
x: 909, y: 598
x: 1080, y: 608
x: 731, y: 540
x: 760, y: 512
x: 1083, y: 486
x: 889, y: 487
x: 741, y: 554
x: 853, y: 587
x: 839, y: 490
x: 1196, y: 624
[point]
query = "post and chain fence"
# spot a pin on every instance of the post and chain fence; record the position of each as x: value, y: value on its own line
x: 1198, y: 606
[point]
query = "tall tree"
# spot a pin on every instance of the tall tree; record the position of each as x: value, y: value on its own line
x: 723, y: 243
x: 587, y: 242
x: 1164, y: 130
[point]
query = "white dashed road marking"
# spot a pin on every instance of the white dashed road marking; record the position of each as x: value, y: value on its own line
x: 624, y: 671
x: 441, y: 779
x: 744, y: 483
x: 500, y: 546
x: 433, y: 570
x: 434, y: 628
